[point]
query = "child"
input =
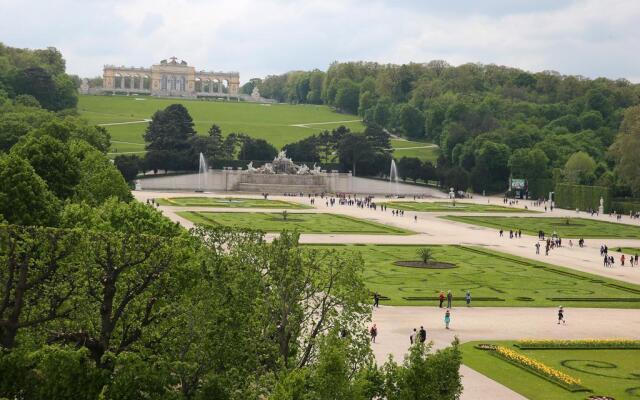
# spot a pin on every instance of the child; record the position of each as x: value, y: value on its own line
x: 561, y: 315
x: 467, y: 297
x: 447, y: 319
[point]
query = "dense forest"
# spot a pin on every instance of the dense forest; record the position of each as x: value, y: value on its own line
x: 491, y: 122
x: 103, y: 297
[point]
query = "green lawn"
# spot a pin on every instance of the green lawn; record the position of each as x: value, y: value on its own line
x: 495, y: 279
x: 408, y: 148
x: 275, y: 122
x: 303, y: 223
x: 447, y: 206
x: 228, y: 202
x: 614, y: 373
x: 578, y: 227
x: 627, y: 250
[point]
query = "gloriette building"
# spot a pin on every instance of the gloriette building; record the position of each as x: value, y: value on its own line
x: 170, y: 79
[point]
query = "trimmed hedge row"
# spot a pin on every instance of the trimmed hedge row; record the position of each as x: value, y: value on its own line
x: 582, y: 344
x: 582, y: 197
x: 624, y: 206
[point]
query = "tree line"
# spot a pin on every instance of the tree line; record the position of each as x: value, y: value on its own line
x: 491, y: 122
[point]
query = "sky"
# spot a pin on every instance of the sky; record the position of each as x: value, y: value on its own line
x: 261, y: 37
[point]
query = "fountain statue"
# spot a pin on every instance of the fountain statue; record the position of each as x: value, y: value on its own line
x: 281, y: 164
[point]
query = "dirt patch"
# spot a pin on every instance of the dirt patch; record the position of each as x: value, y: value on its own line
x: 420, y: 264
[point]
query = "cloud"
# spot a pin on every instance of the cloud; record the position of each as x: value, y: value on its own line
x: 592, y: 38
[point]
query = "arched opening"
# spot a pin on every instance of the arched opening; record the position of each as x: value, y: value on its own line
x: 224, y: 86
x: 128, y: 81
x: 198, y: 85
x: 146, y: 82
x: 117, y: 81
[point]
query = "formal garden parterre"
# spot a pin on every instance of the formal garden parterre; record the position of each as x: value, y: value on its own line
x: 550, y: 370
x: 229, y: 202
x: 451, y: 206
x: 301, y: 222
x: 564, y: 227
x: 494, y: 279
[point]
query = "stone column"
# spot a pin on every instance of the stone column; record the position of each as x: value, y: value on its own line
x: 121, y: 81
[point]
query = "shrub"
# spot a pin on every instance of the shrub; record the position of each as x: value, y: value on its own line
x: 579, y: 344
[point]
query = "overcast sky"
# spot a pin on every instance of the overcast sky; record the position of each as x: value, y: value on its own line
x: 261, y: 37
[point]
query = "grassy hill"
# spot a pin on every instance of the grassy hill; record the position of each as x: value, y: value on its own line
x: 279, y: 124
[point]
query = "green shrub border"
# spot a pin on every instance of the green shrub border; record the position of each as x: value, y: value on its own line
x: 582, y: 197
x: 567, y: 345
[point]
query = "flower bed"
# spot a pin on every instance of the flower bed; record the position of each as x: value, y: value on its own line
x: 582, y: 344
x: 536, y: 367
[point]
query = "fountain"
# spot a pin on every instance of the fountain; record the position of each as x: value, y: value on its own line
x: 202, y: 174
x: 393, y: 176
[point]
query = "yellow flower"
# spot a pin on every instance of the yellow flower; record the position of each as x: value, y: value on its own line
x: 536, y: 366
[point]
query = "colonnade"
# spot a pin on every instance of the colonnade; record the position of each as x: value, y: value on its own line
x: 135, y: 82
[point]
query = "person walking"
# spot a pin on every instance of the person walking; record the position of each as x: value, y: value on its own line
x: 447, y: 319
x: 622, y: 260
x: 376, y: 300
x: 441, y: 297
x: 561, y: 316
x: 413, y: 337
x: 449, y: 298
x: 422, y: 334
x: 467, y: 298
x: 373, y: 332
x: 537, y: 248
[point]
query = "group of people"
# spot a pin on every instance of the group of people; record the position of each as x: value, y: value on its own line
x: 609, y: 260
x: 449, y: 298
x: 512, y: 233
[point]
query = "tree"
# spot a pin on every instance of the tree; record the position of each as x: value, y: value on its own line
x: 170, y: 132
x: 425, y: 375
x: 591, y: 120
x: 304, y: 150
x: 215, y: 148
x: 137, y: 258
x: 579, y: 169
x: 38, y: 278
x: 256, y: 149
x: 412, y: 121
x: 25, y: 198
x: 53, y: 161
x: 353, y: 148
x: 100, y: 180
x: 247, y: 88
x: 347, y: 96
x: 491, y: 170
x: 626, y: 148
x: 39, y: 83
x: 128, y: 165
x: 425, y: 254
x: 410, y: 167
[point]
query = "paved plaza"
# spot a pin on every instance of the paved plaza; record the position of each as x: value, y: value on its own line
x: 475, y: 323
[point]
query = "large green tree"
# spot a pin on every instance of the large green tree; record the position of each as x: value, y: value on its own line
x: 25, y: 198
x: 168, y: 138
x: 53, y: 161
x: 626, y: 148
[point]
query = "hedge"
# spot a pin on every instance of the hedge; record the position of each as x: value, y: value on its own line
x: 582, y: 197
x: 583, y: 344
x: 625, y: 206
x: 540, y: 188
